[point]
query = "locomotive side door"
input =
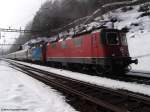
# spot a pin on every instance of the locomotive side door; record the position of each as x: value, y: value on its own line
x: 94, y: 46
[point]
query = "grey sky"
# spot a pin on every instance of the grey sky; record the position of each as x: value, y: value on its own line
x: 16, y: 14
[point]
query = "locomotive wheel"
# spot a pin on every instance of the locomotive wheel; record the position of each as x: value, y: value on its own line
x: 75, y: 67
x: 108, y: 70
x: 119, y: 70
x: 100, y: 70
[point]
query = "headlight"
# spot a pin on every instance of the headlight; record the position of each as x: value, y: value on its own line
x: 113, y: 54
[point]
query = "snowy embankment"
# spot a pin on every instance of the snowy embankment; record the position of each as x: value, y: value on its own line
x: 100, y: 81
x: 19, y: 92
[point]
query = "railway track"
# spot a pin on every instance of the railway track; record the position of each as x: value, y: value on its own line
x: 139, y: 77
x: 134, y: 77
x: 98, y: 98
x: 144, y: 74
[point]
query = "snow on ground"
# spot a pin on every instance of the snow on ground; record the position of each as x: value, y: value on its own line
x: 100, y: 81
x: 19, y: 92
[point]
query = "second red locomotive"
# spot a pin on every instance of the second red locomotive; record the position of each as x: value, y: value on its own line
x: 104, y: 50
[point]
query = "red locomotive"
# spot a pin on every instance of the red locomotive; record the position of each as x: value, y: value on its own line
x: 104, y: 50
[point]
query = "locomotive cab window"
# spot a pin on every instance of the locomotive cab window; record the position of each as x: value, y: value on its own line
x: 77, y: 42
x: 123, y: 39
x: 53, y: 45
x: 64, y: 44
x: 112, y: 38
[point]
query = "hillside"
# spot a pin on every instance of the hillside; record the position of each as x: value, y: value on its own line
x: 54, y: 15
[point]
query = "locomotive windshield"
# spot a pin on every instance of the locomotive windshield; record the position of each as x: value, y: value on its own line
x: 123, y: 39
x: 112, y: 38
